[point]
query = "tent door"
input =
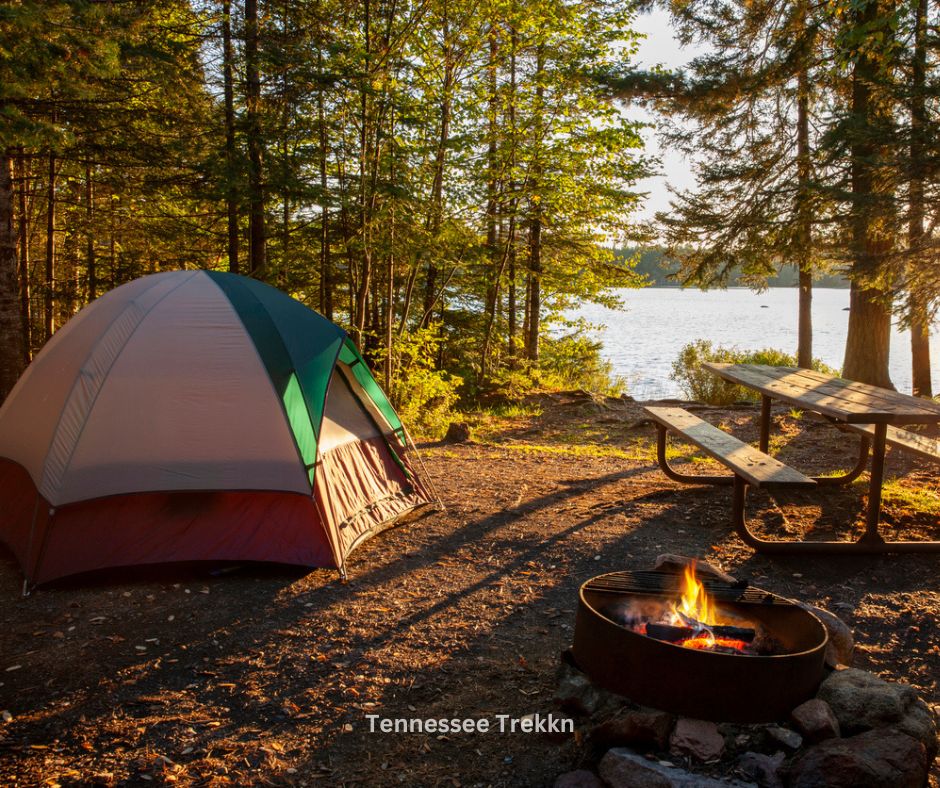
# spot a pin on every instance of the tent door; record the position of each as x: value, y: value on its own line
x: 360, y: 486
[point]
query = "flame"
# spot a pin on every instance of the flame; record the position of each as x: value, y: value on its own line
x: 695, y: 603
x: 697, y: 606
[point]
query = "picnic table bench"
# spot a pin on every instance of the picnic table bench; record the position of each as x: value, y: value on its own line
x: 923, y: 446
x: 870, y: 411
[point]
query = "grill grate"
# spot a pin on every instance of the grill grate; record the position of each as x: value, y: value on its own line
x: 667, y: 584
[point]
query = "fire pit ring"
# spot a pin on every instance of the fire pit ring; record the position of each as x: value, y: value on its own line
x: 703, y: 684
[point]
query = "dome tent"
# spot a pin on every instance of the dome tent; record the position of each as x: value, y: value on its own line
x: 198, y: 415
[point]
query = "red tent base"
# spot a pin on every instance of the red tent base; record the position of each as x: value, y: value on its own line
x: 156, y: 527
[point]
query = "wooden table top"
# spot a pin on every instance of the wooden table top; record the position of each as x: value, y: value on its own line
x: 844, y: 400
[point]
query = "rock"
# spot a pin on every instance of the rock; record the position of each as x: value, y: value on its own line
x: 785, y: 736
x: 670, y: 562
x: 698, y: 738
x: 634, y: 726
x: 762, y: 769
x: 841, y: 647
x: 880, y: 758
x: 581, y: 778
x: 861, y: 701
x: 622, y: 768
x: 576, y: 694
x: 815, y: 720
x: 457, y: 432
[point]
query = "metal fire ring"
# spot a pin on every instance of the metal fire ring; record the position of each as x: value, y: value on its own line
x: 700, y: 684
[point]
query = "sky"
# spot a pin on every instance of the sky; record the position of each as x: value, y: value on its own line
x: 660, y: 47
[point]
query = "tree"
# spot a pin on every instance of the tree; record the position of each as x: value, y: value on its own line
x: 11, y: 334
x: 866, y: 45
x: 734, y: 112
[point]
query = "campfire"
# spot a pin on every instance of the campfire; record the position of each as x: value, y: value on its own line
x: 697, y: 621
x: 704, y: 648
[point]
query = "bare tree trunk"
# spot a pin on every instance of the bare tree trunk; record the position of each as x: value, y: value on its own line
x: 918, y: 301
x: 514, y: 201
x: 231, y: 196
x: 12, y: 353
x: 361, y: 292
x: 23, y: 227
x: 805, y: 229
x: 256, y: 229
x: 525, y: 310
x: 91, y: 270
x: 326, y: 264
x: 492, y: 203
x: 112, y: 240
x: 535, y: 294
x: 535, y: 225
x: 867, y: 343
x: 49, y: 313
x: 436, y: 215
x: 390, y: 272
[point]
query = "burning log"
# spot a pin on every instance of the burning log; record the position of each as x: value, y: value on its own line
x: 673, y: 634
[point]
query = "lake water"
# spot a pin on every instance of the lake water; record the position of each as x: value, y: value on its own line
x: 644, y: 340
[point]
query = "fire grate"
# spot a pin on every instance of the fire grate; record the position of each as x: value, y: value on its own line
x: 667, y: 583
x: 712, y: 685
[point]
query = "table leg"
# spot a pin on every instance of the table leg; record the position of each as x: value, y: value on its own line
x: 870, y: 542
x: 764, y: 423
x: 873, y: 515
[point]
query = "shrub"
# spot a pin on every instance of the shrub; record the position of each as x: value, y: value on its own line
x: 423, y: 396
x: 573, y: 361
x: 566, y: 361
x: 699, y: 384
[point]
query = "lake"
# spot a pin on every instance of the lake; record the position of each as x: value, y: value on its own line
x: 643, y: 341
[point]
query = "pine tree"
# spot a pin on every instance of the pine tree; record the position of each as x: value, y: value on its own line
x: 743, y: 113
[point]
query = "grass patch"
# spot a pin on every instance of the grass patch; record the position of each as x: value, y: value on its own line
x: 921, y: 499
x: 641, y: 451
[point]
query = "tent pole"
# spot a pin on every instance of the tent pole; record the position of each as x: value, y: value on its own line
x: 424, y: 471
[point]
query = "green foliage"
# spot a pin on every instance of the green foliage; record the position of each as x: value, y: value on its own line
x: 458, y: 170
x: 699, y: 384
x: 573, y: 361
x: 567, y: 361
x: 424, y: 396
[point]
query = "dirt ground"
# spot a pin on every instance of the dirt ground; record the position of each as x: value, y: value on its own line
x: 265, y: 675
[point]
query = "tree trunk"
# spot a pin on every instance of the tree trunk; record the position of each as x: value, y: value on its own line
x: 918, y: 301
x: 436, y: 215
x: 12, y: 352
x: 514, y: 201
x: 390, y: 271
x: 535, y: 223
x: 91, y: 270
x: 256, y: 229
x: 231, y: 192
x: 867, y: 343
x: 361, y: 291
x: 805, y: 225
x: 326, y: 264
x: 535, y: 292
x: 49, y: 313
x: 23, y: 225
x: 492, y: 204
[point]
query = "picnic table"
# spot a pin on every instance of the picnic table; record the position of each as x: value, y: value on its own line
x: 875, y: 413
